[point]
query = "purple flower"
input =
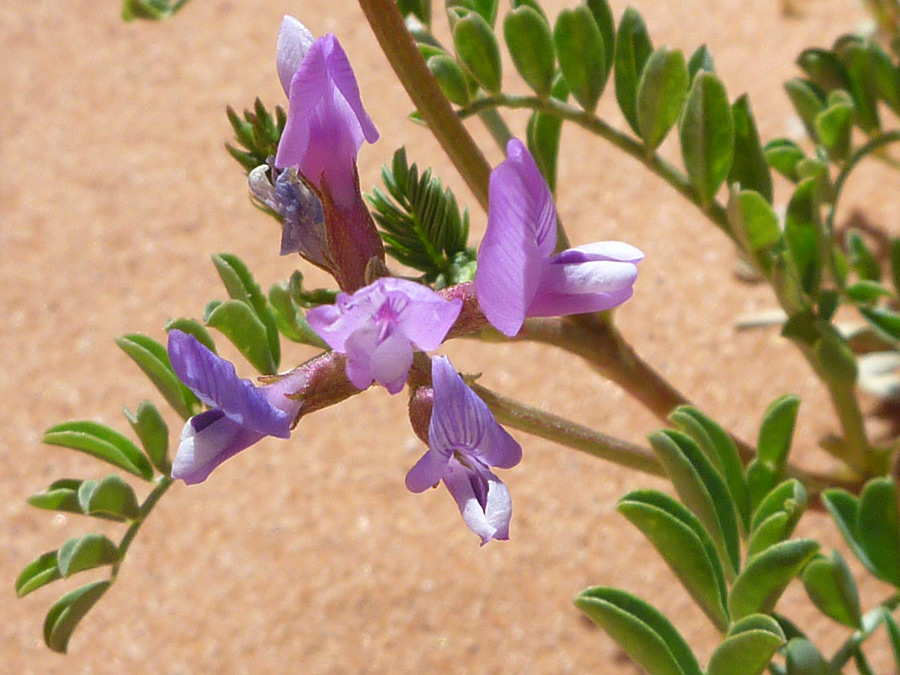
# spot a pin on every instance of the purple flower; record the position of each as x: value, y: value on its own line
x: 326, y: 123
x: 464, y: 440
x: 241, y: 414
x: 326, y: 126
x: 518, y: 276
x: 378, y: 326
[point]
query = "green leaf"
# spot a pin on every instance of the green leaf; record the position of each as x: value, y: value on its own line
x: 477, y: 49
x: 749, y: 647
x: 885, y: 77
x: 195, y: 328
x: 895, y: 263
x: 543, y: 136
x: 237, y: 321
x: 646, y: 635
x: 867, y: 292
x: 685, y: 545
x: 530, y: 45
x: 893, y: 631
x: 701, y: 59
x: 450, y: 77
x: 808, y: 100
x: 153, y: 433
x: 110, y: 496
x: 755, y: 224
x: 62, y: 495
x: 784, y: 155
x: 63, y: 617
x: 421, y: 226
x: 775, y: 436
x: 603, y: 15
x: 633, y: 48
x: 661, y: 92
x: 241, y: 286
x: 581, y: 54
x: 885, y: 321
x: 858, y: 61
x: 844, y: 508
x: 749, y: 168
x: 152, y: 358
x: 719, y: 447
x: 101, y: 442
x: 421, y: 9
x: 290, y: 319
x: 824, y: 69
x: 862, y: 260
x: 37, y: 573
x: 759, y: 586
x: 877, y: 528
x: 834, y: 126
x: 85, y: 553
x: 777, y: 516
x: 830, y: 585
x: 803, y: 658
x: 703, y: 491
x: 803, y: 237
x: 706, y: 129
x: 836, y: 358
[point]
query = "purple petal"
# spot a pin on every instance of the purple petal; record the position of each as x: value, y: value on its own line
x: 528, y: 192
x: 427, y: 472
x: 600, y: 250
x: 421, y: 314
x: 215, y: 381
x: 336, y: 323
x: 391, y: 360
x: 459, y: 418
x: 294, y: 41
x: 509, y: 258
x: 577, y: 288
x: 207, y: 440
x: 482, y: 498
x: 325, y: 129
x: 345, y: 80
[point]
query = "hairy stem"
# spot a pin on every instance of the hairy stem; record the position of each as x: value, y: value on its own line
x: 546, y: 425
x: 398, y: 46
x: 715, y: 212
x: 870, y: 623
x: 162, y: 484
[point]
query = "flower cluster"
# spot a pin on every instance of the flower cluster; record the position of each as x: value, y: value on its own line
x: 379, y: 326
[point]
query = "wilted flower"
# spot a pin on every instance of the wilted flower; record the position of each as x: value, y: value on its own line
x: 379, y: 326
x: 326, y: 126
x: 518, y: 276
x: 464, y: 441
x: 241, y: 413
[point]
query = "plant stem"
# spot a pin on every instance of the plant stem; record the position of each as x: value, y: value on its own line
x: 400, y: 50
x: 565, y: 432
x: 870, y: 623
x: 715, y: 212
x: 162, y: 484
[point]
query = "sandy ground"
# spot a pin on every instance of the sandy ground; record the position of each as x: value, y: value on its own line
x: 310, y: 556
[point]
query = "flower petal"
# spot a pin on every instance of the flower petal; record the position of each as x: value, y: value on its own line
x: 207, y: 440
x: 422, y: 315
x: 459, y: 419
x: 482, y: 498
x: 509, y: 257
x: 576, y: 288
x: 215, y: 381
x: 527, y: 191
x: 391, y: 360
x: 345, y: 80
x: 600, y: 250
x: 336, y: 323
x: 294, y: 41
x: 427, y: 472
